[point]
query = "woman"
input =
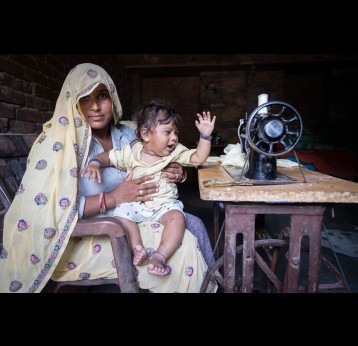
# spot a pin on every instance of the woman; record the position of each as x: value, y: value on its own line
x: 51, y: 197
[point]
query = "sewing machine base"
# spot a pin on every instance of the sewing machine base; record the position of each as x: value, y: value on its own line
x: 236, y: 173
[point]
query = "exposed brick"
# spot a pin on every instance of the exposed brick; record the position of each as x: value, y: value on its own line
x: 35, y: 77
x: 38, y: 128
x: 54, y: 84
x: 70, y: 61
x: 47, y: 69
x: 41, y: 57
x: 15, y: 83
x: 43, y: 92
x: 37, y: 103
x: 4, y: 125
x: 25, y: 60
x: 11, y: 67
x: 11, y: 96
x: 29, y: 114
x: 55, y: 62
x: 51, y: 105
x: 61, y: 77
x: 21, y: 127
x: 46, y: 116
x: 7, y: 110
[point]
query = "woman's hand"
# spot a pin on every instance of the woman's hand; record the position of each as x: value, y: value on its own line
x: 174, y: 173
x: 129, y: 190
x: 133, y: 190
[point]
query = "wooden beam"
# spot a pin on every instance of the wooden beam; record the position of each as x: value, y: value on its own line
x: 289, y: 67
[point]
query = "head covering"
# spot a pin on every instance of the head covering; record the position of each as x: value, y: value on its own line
x: 41, y: 218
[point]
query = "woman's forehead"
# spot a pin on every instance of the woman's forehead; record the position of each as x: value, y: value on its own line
x: 100, y: 87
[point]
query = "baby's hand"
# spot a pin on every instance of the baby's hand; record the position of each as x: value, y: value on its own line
x: 93, y: 170
x: 205, y: 125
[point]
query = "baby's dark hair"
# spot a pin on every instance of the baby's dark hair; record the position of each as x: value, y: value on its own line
x: 157, y: 112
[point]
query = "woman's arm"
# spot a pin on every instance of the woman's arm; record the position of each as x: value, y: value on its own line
x: 136, y: 190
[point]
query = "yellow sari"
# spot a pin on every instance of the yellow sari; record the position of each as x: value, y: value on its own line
x: 37, y: 227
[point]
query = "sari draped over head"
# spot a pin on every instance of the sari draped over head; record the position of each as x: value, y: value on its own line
x: 39, y: 222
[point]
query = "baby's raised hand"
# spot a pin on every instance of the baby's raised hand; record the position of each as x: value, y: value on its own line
x: 205, y: 124
x: 93, y: 171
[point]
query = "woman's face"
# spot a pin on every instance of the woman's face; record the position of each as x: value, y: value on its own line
x: 97, y: 108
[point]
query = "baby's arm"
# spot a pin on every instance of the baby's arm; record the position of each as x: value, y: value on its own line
x: 93, y: 170
x: 205, y: 125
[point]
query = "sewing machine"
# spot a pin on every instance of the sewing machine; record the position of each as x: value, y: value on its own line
x: 271, y: 130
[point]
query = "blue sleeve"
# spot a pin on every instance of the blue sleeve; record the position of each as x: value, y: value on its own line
x: 81, y: 206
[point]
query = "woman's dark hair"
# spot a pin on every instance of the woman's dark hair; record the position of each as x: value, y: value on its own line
x: 157, y: 112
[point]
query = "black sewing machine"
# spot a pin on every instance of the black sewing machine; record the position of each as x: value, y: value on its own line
x: 271, y: 130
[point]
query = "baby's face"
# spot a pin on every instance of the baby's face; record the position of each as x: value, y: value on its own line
x: 163, y: 139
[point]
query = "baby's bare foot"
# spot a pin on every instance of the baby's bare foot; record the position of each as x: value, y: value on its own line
x: 139, y: 256
x: 157, y: 265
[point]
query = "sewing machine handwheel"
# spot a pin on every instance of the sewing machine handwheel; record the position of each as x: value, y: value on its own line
x: 217, y: 270
x: 274, y: 128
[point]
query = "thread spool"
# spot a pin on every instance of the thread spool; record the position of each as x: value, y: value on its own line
x: 263, y: 98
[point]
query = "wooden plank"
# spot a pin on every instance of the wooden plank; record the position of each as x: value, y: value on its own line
x: 320, y: 188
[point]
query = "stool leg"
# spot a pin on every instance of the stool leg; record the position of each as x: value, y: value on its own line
x: 125, y: 269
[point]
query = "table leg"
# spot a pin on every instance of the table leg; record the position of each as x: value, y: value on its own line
x: 314, y: 253
x: 245, y: 224
x: 248, y: 252
x: 305, y: 220
x: 294, y: 255
x: 229, y: 253
x: 304, y: 225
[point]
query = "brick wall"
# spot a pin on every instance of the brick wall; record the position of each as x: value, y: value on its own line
x: 31, y: 83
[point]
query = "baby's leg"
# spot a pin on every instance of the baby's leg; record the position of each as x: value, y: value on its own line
x: 172, y: 237
x: 139, y: 254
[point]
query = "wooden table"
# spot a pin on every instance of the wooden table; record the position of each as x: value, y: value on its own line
x: 305, y: 202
